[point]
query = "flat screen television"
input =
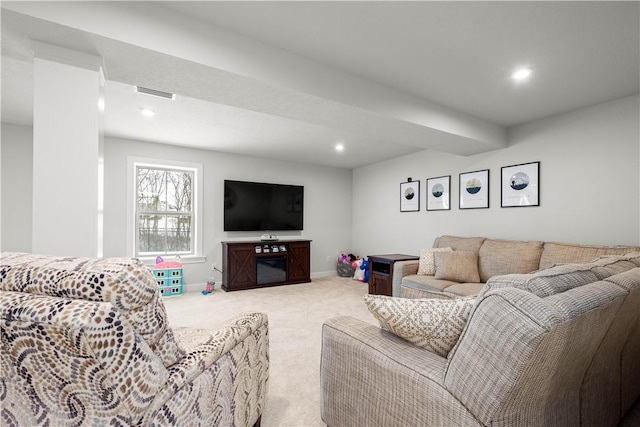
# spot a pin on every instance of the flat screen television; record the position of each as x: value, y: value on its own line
x: 259, y: 206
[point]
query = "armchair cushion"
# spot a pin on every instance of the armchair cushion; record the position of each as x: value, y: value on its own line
x: 86, y: 342
x: 124, y: 282
x: 73, y: 360
x: 433, y: 324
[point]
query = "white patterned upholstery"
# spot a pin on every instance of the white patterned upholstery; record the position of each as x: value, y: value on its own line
x: 86, y: 342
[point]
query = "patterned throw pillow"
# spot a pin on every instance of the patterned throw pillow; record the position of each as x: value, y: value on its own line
x: 434, y: 324
x: 426, y: 264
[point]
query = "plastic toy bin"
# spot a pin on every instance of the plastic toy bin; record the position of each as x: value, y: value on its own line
x: 169, y: 280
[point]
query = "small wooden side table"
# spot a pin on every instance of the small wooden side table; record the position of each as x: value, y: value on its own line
x: 381, y: 272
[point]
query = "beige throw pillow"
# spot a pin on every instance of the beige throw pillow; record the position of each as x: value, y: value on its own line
x: 426, y: 264
x: 457, y: 266
x: 433, y: 324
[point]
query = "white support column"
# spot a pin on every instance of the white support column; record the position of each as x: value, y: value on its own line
x: 66, y: 152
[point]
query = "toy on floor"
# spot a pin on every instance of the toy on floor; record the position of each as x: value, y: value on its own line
x: 358, y: 274
x: 208, y: 287
x: 365, y: 267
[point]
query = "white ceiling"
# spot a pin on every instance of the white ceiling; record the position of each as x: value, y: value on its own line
x: 288, y: 80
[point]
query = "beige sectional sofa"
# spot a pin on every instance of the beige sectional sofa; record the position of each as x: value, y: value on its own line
x: 557, y: 347
x: 494, y: 257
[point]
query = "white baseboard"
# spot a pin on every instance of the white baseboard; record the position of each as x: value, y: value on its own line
x: 197, y: 287
x: 324, y: 274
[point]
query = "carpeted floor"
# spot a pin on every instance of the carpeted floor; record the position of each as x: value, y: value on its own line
x: 296, y: 314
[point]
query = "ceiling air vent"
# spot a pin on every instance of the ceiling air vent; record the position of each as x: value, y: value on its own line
x: 154, y: 92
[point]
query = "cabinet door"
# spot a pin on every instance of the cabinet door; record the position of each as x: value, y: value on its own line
x: 299, y: 262
x: 379, y: 284
x: 242, y: 267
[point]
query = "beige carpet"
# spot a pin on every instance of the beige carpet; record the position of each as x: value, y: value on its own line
x: 296, y: 314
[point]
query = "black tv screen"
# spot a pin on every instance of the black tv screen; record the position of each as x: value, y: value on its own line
x: 258, y: 206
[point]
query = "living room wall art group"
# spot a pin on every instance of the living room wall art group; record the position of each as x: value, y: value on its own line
x: 519, y: 187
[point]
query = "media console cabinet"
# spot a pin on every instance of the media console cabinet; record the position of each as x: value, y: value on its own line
x: 257, y: 264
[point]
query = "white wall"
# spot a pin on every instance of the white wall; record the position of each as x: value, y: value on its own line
x: 17, y: 187
x: 589, y: 186
x: 327, y: 204
x: 590, y: 172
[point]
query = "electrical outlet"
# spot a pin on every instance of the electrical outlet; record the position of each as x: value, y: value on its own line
x: 214, y: 266
x: 328, y: 258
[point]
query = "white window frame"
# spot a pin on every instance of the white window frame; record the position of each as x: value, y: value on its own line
x: 197, y: 168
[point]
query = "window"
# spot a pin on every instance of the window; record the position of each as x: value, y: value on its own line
x: 165, y: 218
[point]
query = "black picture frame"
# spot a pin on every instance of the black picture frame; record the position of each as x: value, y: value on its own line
x: 474, y: 190
x: 439, y: 193
x: 520, y: 185
x: 410, y: 196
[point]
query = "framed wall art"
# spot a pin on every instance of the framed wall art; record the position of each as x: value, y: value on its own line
x: 520, y: 185
x: 410, y: 196
x: 438, y: 193
x: 474, y: 189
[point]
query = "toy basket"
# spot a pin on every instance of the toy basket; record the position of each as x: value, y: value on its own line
x: 345, y: 270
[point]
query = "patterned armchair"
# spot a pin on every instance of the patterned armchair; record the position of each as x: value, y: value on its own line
x: 86, y: 342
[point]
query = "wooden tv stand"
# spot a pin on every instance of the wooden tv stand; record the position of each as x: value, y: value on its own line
x: 257, y: 264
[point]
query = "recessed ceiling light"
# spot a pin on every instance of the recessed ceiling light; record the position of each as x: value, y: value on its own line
x: 147, y: 113
x: 522, y: 73
x: 339, y: 148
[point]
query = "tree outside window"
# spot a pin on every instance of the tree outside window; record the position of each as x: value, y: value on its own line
x: 164, y: 211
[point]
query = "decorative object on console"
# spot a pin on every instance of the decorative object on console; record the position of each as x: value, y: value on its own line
x: 410, y: 196
x: 520, y: 185
x: 438, y: 193
x: 433, y: 324
x: 474, y: 190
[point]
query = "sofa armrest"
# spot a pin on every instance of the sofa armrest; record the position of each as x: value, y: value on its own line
x: 230, y: 370
x: 369, y: 376
x: 401, y: 269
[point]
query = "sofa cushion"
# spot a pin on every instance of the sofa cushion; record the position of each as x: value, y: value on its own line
x: 427, y: 264
x: 566, y: 276
x: 459, y: 243
x: 416, y: 286
x: 434, y: 324
x: 465, y: 289
x: 557, y: 253
x: 610, y: 265
x: 547, y: 282
x: 427, y: 282
x: 458, y: 266
x: 497, y: 257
